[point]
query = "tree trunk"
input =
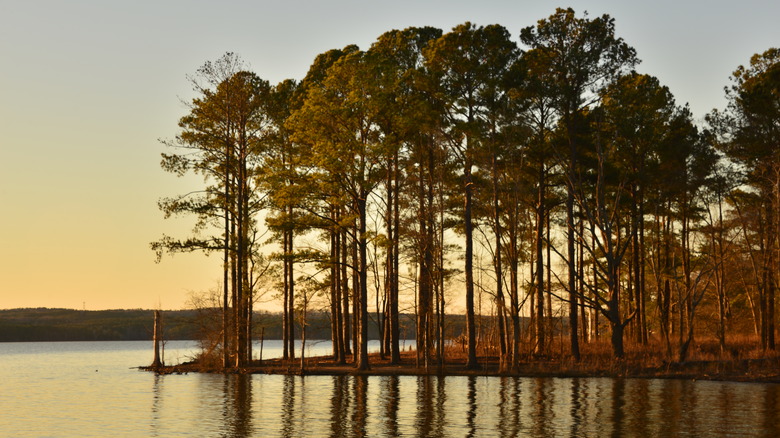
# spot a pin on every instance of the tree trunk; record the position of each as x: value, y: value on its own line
x: 771, y: 267
x: 390, y: 277
x: 548, y: 279
x: 514, y: 291
x: 642, y: 283
x: 596, y: 312
x: 362, y: 362
x: 226, y: 265
x: 303, y: 333
x: 395, y: 332
x: 335, y: 279
x: 225, y: 303
x: 239, y: 310
x: 157, y: 339
x: 291, y: 286
x: 581, y: 267
x: 613, y: 312
x: 345, y: 326
x: 573, y: 293
x: 286, y: 299
x: 636, y: 248
x: 570, y: 235
x: 540, y: 218
x: 425, y: 274
x: 720, y: 277
x: 471, y: 362
x: 356, y: 287
x: 439, y: 246
x: 617, y: 340
x: 497, y: 263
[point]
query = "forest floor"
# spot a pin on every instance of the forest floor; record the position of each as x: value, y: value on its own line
x: 742, y: 365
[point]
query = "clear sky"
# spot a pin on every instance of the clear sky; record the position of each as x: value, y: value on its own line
x: 87, y: 87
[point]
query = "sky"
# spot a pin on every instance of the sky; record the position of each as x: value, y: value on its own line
x: 89, y: 87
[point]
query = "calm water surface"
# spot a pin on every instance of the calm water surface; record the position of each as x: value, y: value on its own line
x: 91, y: 389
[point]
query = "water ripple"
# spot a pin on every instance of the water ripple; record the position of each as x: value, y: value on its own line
x: 92, y: 392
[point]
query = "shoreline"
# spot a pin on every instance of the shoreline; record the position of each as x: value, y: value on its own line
x: 765, y: 370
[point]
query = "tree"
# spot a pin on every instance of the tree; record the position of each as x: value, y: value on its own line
x: 695, y: 160
x: 468, y: 64
x: 284, y: 183
x: 336, y: 122
x: 222, y: 137
x: 338, y: 219
x: 749, y: 133
x: 583, y: 55
x: 638, y: 112
x: 500, y: 139
x: 723, y: 181
x: 538, y: 93
x: 403, y: 116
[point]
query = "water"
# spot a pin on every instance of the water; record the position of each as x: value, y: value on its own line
x: 90, y: 389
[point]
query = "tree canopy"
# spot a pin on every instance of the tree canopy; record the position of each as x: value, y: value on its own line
x: 468, y: 171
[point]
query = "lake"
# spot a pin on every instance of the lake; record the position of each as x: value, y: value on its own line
x: 92, y: 389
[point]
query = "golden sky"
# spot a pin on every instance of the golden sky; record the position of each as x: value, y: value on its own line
x: 88, y: 87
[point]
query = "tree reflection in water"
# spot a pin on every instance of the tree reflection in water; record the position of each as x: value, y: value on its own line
x: 618, y: 407
x: 432, y: 406
x: 771, y: 414
x: 288, y: 406
x: 339, y: 405
x: 157, y: 404
x: 390, y: 402
x: 576, y: 410
x: 440, y: 421
x: 471, y: 416
x: 638, y: 393
x: 543, y: 400
x: 238, y: 405
x: 509, y: 407
x: 360, y: 413
x: 348, y: 406
x: 425, y: 399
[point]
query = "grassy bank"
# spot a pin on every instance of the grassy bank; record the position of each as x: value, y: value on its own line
x: 741, y: 362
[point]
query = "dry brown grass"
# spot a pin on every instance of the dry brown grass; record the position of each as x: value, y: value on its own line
x: 744, y: 360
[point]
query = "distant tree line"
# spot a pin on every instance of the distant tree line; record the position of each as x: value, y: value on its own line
x: 588, y: 189
x: 42, y: 324
x: 56, y: 325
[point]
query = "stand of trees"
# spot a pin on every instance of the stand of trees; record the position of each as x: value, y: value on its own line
x: 592, y: 192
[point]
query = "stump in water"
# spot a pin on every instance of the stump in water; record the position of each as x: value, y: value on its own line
x: 156, y: 363
x: 262, y: 341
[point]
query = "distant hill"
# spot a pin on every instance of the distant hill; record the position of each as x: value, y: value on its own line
x: 44, y: 324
